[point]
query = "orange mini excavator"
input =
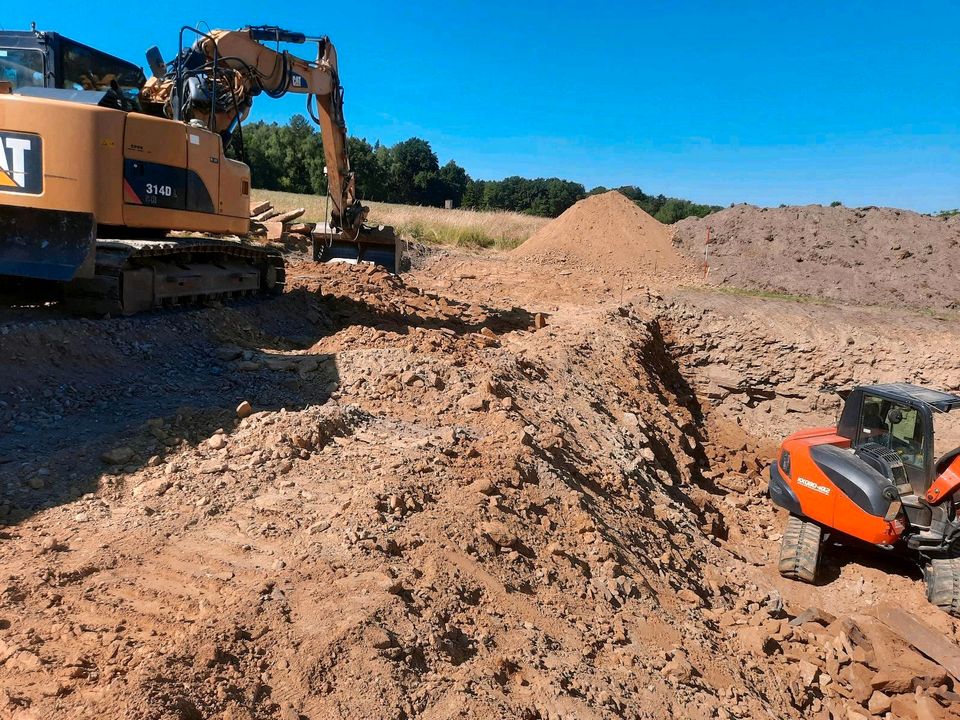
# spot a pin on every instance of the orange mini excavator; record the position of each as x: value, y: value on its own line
x: 875, y: 478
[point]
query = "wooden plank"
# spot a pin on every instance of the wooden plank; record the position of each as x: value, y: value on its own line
x: 923, y: 637
x: 265, y: 215
x: 289, y: 215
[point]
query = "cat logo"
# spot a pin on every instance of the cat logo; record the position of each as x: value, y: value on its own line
x: 21, y: 163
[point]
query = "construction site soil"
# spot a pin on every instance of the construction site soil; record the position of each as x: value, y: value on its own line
x: 873, y: 256
x: 497, y: 486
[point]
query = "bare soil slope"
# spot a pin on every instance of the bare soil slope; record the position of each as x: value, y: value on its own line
x: 442, y: 506
x: 875, y: 256
x: 610, y: 234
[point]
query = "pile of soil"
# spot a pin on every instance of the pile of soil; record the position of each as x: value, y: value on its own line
x: 607, y: 233
x: 876, y: 256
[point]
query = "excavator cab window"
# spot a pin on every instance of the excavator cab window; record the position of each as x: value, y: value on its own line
x: 898, y: 427
x: 21, y: 67
x: 87, y: 69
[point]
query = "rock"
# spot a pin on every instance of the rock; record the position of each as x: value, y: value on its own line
x: 808, y: 672
x: 488, y: 332
x: 244, y: 410
x: 36, y: 483
x: 927, y: 708
x: 499, y: 534
x: 485, y: 486
x: 260, y: 207
x: 152, y: 488
x: 379, y: 638
x: 814, y: 614
x: 473, y: 402
x: 275, y: 230
x: 539, y: 321
x: 904, y: 707
x: 678, y: 668
x: 227, y: 353
x: 286, y: 217
x: 878, y: 703
x: 689, y: 596
x: 118, y: 456
x: 51, y: 544
x: 914, y: 672
x: 217, y: 442
x: 211, y: 467
x: 854, y: 713
x: 859, y: 678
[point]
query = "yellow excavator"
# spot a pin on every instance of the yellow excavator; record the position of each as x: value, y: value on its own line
x: 112, y: 184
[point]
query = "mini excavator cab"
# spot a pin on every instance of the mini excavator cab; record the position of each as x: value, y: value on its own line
x: 899, y: 418
x: 874, y: 478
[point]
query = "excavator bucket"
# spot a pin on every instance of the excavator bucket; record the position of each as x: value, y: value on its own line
x: 378, y: 245
x: 46, y: 244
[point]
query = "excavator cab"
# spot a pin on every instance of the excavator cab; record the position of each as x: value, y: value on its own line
x: 50, y: 60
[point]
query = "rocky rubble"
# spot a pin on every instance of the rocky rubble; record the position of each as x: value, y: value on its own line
x: 371, y: 499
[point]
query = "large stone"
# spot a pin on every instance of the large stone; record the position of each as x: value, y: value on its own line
x: 499, y: 534
x: 244, y: 409
x: 879, y: 703
x: 912, y: 672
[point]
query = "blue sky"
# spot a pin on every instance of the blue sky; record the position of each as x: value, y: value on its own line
x: 763, y: 102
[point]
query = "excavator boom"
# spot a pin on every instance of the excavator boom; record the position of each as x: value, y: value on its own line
x: 230, y: 69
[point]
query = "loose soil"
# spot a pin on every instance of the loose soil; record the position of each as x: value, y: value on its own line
x: 872, y: 256
x: 483, y: 489
x: 610, y: 234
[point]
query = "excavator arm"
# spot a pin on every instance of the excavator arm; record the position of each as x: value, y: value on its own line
x: 215, y: 81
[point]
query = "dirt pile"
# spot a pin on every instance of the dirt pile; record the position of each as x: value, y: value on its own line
x: 876, y: 256
x: 610, y: 234
x: 772, y: 365
x: 473, y: 516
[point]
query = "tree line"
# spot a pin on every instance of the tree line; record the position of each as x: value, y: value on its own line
x: 290, y: 158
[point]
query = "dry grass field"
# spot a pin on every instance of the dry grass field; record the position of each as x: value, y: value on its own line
x: 464, y: 228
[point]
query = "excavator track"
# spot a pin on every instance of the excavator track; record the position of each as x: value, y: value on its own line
x: 133, y: 276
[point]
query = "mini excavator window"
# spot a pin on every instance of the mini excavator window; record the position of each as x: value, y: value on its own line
x: 897, y: 427
x: 21, y: 67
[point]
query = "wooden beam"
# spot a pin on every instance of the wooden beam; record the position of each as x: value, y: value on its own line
x: 923, y: 637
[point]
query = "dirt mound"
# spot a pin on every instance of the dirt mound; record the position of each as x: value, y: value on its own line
x: 869, y: 255
x: 607, y: 233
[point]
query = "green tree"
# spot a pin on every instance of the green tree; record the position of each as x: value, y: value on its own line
x: 365, y: 163
x: 412, y: 172
x: 454, y: 181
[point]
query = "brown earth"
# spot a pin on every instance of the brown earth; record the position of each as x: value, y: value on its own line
x: 873, y: 256
x: 484, y: 489
x: 607, y: 233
